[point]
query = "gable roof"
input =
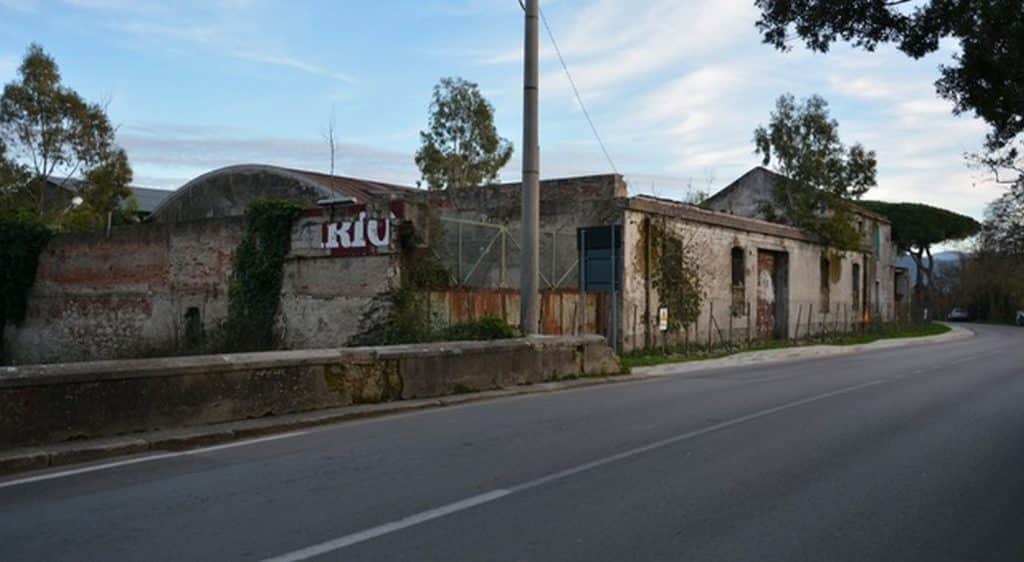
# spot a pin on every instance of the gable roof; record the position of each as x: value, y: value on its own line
x: 769, y: 177
x: 737, y: 183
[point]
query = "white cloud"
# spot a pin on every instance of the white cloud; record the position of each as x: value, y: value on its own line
x: 690, y: 99
x: 293, y: 63
x: 222, y: 29
x: 611, y: 43
x: 870, y: 87
x: 177, y: 31
x: 171, y: 154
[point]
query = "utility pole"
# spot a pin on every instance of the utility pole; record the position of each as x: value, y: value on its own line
x: 530, y: 260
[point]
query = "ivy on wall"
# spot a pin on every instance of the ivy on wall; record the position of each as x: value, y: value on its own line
x: 254, y: 291
x: 675, y: 273
x: 22, y: 239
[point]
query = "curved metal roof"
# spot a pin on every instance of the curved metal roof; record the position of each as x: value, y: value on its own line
x: 323, y: 185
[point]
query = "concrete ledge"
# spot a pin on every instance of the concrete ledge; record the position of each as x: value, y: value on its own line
x: 63, y: 402
x: 36, y: 458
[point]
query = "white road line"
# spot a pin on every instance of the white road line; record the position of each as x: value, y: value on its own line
x: 412, y: 520
x: 148, y: 458
x: 471, y: 502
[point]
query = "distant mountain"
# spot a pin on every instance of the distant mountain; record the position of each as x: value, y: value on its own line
x: 941, y: 259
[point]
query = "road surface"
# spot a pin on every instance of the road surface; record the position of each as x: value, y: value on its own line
x: 914, y: 453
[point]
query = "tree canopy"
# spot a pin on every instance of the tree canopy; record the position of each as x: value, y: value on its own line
x: 48, y: 131
x: 461, y: 147
x: 820, y: 174
x: 916, y: 226
x: 106, y: 196
x: 985, y: 77
x: 1003, y: 231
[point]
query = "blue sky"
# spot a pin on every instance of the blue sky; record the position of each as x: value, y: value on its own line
x: 675, y: 87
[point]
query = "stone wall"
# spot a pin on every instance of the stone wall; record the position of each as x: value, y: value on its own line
x: 53, y: 403
x: 128, y: 294
x: 136, y: 292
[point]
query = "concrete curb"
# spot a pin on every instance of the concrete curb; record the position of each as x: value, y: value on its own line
x: 772, y: 356
x: 36, y: 458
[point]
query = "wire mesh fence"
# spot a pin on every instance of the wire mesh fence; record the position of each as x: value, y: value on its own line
x: 727, y: 325
x: 486, y: 254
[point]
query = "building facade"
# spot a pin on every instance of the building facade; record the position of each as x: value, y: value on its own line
x: 642, y: 271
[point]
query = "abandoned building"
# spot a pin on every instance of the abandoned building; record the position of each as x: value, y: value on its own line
x: 641, y: 270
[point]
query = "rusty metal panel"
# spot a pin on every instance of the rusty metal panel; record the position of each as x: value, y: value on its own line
x: 563, y: 311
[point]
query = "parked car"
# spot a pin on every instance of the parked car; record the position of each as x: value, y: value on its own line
x: 958, y: 315
x: 1020, y: 318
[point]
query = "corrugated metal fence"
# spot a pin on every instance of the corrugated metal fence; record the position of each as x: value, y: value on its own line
x: 563, y: 311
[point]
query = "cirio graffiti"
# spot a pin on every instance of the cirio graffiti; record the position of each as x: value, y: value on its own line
x: 360, y: 231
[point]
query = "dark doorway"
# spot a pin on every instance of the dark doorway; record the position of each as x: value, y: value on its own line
x: 772, y: 294
x: 193, y: 327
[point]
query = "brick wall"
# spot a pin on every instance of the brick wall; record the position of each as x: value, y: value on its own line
x: 100, y: 297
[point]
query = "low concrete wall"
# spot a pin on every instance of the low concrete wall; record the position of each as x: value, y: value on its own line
x: 59, y: 402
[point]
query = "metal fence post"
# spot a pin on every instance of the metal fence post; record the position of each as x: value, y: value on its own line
x: 750, y: 335
x: 711, y: 318
x: 458, y: 265
x: 504, y: 270
x: 730, y: 328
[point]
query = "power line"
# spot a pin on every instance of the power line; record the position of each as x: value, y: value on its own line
x: 576, y: 91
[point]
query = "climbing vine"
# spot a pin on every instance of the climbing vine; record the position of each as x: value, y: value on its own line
x: 675, y: 273
x: 22, y: 239
x: 254, y: 291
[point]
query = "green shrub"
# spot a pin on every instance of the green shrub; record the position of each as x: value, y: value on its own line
x: 485, y: 328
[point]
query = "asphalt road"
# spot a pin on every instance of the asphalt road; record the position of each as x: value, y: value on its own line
x: 914, y: 453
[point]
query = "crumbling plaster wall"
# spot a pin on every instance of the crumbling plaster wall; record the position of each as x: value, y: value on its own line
x: 328, y: 299
x: 126, y: 294
x: 324, y: 300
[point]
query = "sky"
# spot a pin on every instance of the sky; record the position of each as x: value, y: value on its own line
x: 675, y: 88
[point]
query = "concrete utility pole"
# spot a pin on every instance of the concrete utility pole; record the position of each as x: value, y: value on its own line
x: 530, y: 261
